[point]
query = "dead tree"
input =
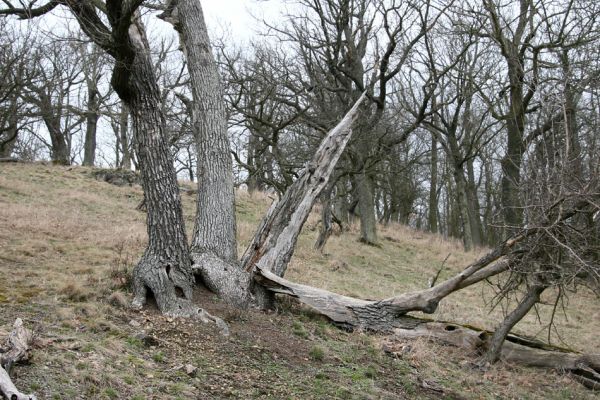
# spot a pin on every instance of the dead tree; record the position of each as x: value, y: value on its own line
x: 15, y: 351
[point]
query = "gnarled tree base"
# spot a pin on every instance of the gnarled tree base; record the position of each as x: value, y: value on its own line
x: 172, y: 290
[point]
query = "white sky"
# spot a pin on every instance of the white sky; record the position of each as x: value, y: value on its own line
x: 236, y: 16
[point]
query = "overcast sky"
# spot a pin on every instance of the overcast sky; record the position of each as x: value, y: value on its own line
x: 236, y: 16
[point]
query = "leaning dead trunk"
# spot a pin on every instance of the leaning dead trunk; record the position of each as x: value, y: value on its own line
x: 275, y: 240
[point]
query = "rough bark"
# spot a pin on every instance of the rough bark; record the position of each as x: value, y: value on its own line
x: 215, y: 226
x: 326, y: 218
x: 383, y: 315
x: 124, y: 139
x: 165, y: 267
x: 275, y: 240
x: 16, y: 350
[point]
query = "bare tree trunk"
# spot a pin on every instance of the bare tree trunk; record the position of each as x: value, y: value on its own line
x: 432, y: 220
x: 165, y: 267
x: 214, y: 230
x: 326, y: 218
x: 463, y: 206
x: 366, y: 208
x: 92, y: 116
x: 275, y: 240
x: 495, y: 344
x: 214, y: 245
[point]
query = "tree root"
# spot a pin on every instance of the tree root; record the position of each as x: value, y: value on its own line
x: 16, y: 350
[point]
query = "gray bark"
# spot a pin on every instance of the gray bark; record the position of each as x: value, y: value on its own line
x: 433, y: 197
x: 165, y: 268
x: 124, y: 139
x: 92, y: 115
x: 366, y: 208
x: 215, y: 227
x: 531, y: 298
x: 17, y: 350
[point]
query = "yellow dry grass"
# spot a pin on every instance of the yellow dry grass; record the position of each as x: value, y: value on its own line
x: 66, y: 236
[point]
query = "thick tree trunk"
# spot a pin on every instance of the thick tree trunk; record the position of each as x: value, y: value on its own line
x: 165, y: 267
x: 59, y: 153
x: 92, y: 115
x: 215, y: 229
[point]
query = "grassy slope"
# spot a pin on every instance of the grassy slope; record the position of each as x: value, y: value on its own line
x: 66, y: 240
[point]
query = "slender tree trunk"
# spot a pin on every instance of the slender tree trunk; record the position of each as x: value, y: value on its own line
x: 463, y: 206
x: 432, y: 220
x: 531, y: 298
x: 326, y: 218
x: 92, y: 116
x: 366, y: 208
x: 474, y: 207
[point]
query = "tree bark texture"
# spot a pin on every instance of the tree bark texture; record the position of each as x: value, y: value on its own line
x: 275, y: 240
x: 495, y: 344
x: 16, y: 350
x: 215, y: 228
x: 165, y: 268
x: 366, y: 208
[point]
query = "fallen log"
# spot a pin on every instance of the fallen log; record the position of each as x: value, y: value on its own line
x: 585, y: 368
x: 16, y: 350
x: 389, y: 316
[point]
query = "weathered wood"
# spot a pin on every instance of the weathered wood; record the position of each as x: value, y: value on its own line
x: 275, y: 240
x: 17, y: 349
x: 378, y: 315
x: 518, y: 350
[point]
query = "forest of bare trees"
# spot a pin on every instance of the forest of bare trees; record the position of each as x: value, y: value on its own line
x: 477, y: 120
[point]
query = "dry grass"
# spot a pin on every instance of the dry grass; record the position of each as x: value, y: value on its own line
x: 68, y: 243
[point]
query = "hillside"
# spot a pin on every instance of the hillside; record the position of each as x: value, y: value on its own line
x: 68, y: 241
